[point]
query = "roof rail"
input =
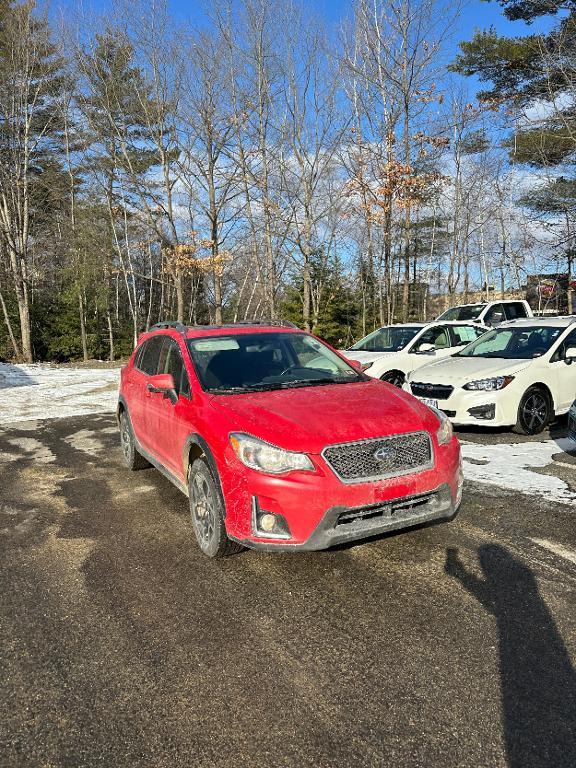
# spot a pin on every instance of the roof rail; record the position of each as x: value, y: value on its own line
x: 174, y: 324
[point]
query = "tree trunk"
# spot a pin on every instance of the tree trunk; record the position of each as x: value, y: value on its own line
x: 82, y: 325
x: 13, y: 341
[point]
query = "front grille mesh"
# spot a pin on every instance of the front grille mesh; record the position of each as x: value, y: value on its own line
x: 433, y: 391
x: 380, y: 457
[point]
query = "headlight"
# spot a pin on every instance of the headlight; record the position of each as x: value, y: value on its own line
x: 445, y: 431
x: 365, y: 366
x: 498, y: 382
x: 257, y: 454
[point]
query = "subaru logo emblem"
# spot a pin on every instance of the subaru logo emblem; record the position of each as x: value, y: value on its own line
x: 384, y: 453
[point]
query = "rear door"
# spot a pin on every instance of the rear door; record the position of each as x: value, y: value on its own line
x: 145, y: 366
x: 168, y: 422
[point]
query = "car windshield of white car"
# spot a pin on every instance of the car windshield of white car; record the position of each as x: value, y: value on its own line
x: 469, y: 312
x: 391, y: 339
x: 513, y: 343
x: 251, y: 362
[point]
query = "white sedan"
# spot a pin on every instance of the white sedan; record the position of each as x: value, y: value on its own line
x: 520, y: 374
x: 392, y: 352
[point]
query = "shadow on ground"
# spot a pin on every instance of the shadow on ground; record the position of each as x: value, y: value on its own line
x: 538, y: 679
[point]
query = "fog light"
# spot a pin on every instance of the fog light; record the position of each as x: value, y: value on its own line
x: 271, y: 525
x: 266, y: 522
x: 485, y: 412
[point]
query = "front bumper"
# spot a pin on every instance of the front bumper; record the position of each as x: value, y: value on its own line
x: 468, y: 407
x: 320, y: 510
x: 341, y: 525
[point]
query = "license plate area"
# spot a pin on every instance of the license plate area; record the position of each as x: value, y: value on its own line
x: 429, y: 402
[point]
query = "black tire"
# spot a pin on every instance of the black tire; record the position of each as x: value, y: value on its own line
x: 207, y: 512
x: 132, y: 459
x: 396, y: 378
x: 534, y: 412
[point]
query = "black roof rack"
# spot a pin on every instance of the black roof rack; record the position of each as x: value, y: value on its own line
x: 176, y: 326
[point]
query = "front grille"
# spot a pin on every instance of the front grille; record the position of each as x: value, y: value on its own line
x: 432, y: 391
x: 381, y: 457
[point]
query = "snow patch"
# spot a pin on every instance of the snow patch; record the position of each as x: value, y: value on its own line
x: 30, y: 392
x: 511, y: 465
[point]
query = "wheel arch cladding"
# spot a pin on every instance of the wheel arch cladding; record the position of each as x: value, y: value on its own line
x: 196, y: 447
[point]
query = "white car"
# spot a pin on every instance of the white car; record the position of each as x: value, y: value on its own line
x: 390, y: 353
x: 520, y: 374
x: 490, y: 313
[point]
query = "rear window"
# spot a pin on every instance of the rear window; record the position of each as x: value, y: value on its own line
x: 515, y: 310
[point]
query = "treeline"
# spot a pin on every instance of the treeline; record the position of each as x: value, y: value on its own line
x: 254, y: 165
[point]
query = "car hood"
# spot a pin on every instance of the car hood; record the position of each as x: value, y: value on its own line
x: 364, y: 357
x: 309, y: 418
x: 460, y: 370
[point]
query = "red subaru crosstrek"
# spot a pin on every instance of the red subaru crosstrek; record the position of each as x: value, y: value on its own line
x: 279, y: 442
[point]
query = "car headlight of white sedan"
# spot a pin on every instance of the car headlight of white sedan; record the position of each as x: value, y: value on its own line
x: 489, y: 385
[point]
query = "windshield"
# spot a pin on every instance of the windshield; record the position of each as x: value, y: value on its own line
x: 469, y: 312
x: 513, y: 343
x: 264, y: 361
x: 390, y: 339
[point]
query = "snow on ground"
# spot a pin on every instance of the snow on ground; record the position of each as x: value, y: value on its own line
x: 511, y: 465
x: 43, y: 392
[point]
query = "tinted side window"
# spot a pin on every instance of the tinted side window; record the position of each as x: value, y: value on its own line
x: 151, y: 355
x: 515, y: 310
x: 138, y: 356
x: 171, y: 362
x: 496, y: 314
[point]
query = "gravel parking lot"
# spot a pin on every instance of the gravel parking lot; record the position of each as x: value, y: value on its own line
x: 122, y: 645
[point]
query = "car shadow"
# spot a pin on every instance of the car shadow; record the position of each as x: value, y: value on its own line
x: 538, y: 681
x: 14, y: 376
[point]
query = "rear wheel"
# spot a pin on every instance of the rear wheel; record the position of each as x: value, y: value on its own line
x: 207, y: 511
x: 132, y: 459
x: 534, y: 412
x: 397, y: 378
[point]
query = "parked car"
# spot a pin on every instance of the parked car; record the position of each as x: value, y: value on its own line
x: 391, y: 352
x: 520, y: 374
x: 490, y: 313
x: 279, y: 442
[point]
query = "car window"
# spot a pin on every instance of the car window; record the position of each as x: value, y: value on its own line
x: 171, y: 362
x: 267, y: 361
x: 569, y: 341
x: 514, y: 310
x: 464, y: 334
x: 513, y: 343
x: 150, y: 356
x: 437, y: 335
x: 467, y: 312
x: 495, y: 314
x: 390, y: 339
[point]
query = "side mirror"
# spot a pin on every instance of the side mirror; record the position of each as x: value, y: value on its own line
x: 570, y: 355
x: 426, y: 349
x: 360, y: 367
x: 163, y: 384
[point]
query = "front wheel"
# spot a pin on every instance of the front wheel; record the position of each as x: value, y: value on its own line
x: 396, y: 378
x: 534, y: 412
x: 207, y: 511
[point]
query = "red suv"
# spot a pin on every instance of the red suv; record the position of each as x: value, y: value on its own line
x: 279, y: 442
